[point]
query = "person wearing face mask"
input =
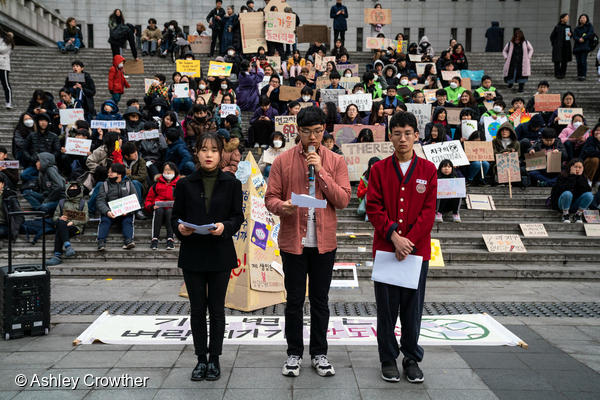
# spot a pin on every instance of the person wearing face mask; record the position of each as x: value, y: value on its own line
x: 234, y: 58
x: 404, y: 89
x: 116, y: 79
x: 159, y: 202
x: 276, y: 147
x: 496, y: 111
x: 23, y: 129
x: 574, y: 145
x: 306, y: 95
x: 454, y: 91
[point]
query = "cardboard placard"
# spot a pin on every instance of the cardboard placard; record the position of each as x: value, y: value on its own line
x: 416, y: 58
x: 77, y: 147
x: 200, y: 44
x: 357, y: 156
x: 147, y: 83
x: 181, y: 90
x: 591, y: 216
x: 289, y: 93
x: 448, y: 75
x: 206, y: 97
x: 422, y: 113
x: 579, y: 132
x: 566, y: 114
x: 467, y: 127
x: 76, y: 77
x: 491, y: 126
x: 252, y: 28
x: 275, y: 63
x: 535, y: 161
x: 451, y: 150
x: 322, y: 82
x: 280, y: 27
x: 507, y: 165
x: 453, y: 115
x: 479, y: 151
x: 74, y: 215
x: 190, y: 68
x: 352, y: 67
x: 430, y: 96
x: 99, y: 123
x: 421, y: 68
x: 451, y: 188
x: 331, y: 95
x: 227, y: 109
x: 124, y: 205
x: 465, y: 83
x: 480, y: 202
x: 437, y: 258
x: 553, y: 162
x: 133, y: 67
x: 533, y: 230
x: 363, y: 101
x: 504, y: 243
x: 216, y: 68
x: 547, y: 102
x: 348, y: 83
x: 592, y: 230
x: 287, y: 125
x: 321, y: 62
x: 12, y: 164
x: 313, y: 33
x: 347, y: 133
x: 68, y: 116
x: 379, y: 16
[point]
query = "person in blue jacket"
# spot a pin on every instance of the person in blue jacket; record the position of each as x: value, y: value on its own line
x: 178, y: 153
x: 339, y: 14
x: 530, y: 132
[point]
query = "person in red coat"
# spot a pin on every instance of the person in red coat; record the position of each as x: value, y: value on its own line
x: 402, y: 197
x: 116, y: 79
x: 162, y: 191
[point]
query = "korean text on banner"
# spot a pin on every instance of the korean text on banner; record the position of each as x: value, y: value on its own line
x: 216, y: 68
x: 68, y: 116
x: 566, y: 114
x: 252, y: 30
x: 364, y: 101
x: 452, y: 151
x: 280, y: 27
x: 287, y: 125
x: 479, y: 151
x: 188, y: 67
x: 78, y: 147
x: 76, y: 77
x: 99, y: 123
x: 227, y: 109
x: 546, y: 102
x: 507, y: 165
x: 331, y: 95
x: 124, y: 205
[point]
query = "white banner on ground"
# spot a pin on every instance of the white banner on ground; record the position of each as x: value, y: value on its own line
x: 436, y: 330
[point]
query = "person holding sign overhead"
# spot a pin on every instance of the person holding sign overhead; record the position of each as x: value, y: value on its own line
x: 402, y: 196
x: 208, y: 196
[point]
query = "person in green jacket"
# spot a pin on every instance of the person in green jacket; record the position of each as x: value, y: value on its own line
x: 403, y: 85
x: 372, y: 86
x: 454, y: 91
x: 486, y: 92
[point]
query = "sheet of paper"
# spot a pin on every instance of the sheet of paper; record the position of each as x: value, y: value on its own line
x: 199, y: 229
x: 304, y: 200
x: 387, y: 269
x: 181, y: 90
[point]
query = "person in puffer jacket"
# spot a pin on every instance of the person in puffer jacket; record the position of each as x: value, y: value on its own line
x: 116, y: 79
x: 51, y: 185
x: 162, y: 191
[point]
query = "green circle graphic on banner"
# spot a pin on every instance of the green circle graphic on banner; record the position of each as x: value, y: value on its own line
x: 452, y: 329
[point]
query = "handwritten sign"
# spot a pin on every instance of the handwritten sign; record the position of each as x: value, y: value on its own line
x: 451, y: 150
x: 12, y: 164
x: 252, y: 29
x: 279, y: 27
x: 535, y: 161
x: 479, y: 151
x: 275, y: 63
x: 76, y: 77
x: 491, y: 126
x: 363, y: 101
x: 533, y: 230
x: 227, y: 109
x: 357, y: 156
x: 451, y: 188
x: 504, y: 243
x: 124, y: 205
x: 376, y: 43
x: 378, y: 16
x: 467, y: 127
x: 181, y: 90
x: 258, y: 210
x: 566, y: 114
x: 507, y: 165
x: 349, y: 83
x: 133, y: 67
x: 331, y: 95
x: 216, y: 68
x: 287, y: 125
x: 200, y: 44
x: 143, y: 135
x: 68, y: 116
x: 347, y: 133
x: 289, y: 93
x: 190, y: 68
x: 352, y: 67
x: 453, y: 115
x: 553, y: 162
x: 480, y: 202
x: 75, y: 215
x: 448, y: 75
x: 592, y: 216
x: 78, y: 147
x: 422, y: 113
x: 430, y: 96
x: 546, y: 102
x: 321, y: 62
x: 592, y: 229
x: 98, y: 123
x: 415, y: 57
x: 147, y: 83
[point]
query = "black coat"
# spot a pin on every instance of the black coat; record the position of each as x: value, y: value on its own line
x: 576, y: 184
x: 89, y: 91
x: 38, y: 142
x: 584, y: 32
x: 561, y: 48
x: 591, y: 148
x: 207, y: 252
x: 495, y: 37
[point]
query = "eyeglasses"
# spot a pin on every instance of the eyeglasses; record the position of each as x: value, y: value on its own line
x: 308, y: 132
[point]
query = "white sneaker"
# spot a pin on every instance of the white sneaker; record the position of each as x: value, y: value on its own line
x: 456, y: 218
x: 439, y: 217
x: 322, y: 366
x: 9, y: 106
x: 292, y: 366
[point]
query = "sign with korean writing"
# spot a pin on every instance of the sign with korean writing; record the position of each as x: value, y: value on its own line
x: 124, y: 205
x: 98, y: 123
x: 216, y: 68
x: 357, y: 156
x: 566, y: 114
x: 452, y: 151
x: 227, y: 109
x: 190, y: 68
x: 378, y: 16
x: 279, y: 27
x: 533, y: 230
x: 480, y: 202
x: 535, y: 161
x: 451, y: 188
x: 199, y: 44
x: 352, y: 67
x: 78, y: 147
x: 322, y: 82
x: 422, y: 113
x: 348, y: 83
x: 321, y: 62
x: 448, y: 75
x: 181, y: 90
x: 504, y: 243
x: 13, y: 164
x: 546, y: 102
x: 76, y: 77
x: 68, y: 116
x: 507, y: 165
x: 348, y: 133
x: 75, y: 215
x: 363, y: 101
x: 287, y: 125
x: 492, y: 125
x: 143, y: 135
x: 331, y: 95
x: 430, y: 96
x: 468, y: 126
x: 479, y: 151
x: 252, y: 29
x: 592, y: 216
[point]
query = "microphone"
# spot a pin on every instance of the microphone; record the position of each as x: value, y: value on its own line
x: 311, y: 168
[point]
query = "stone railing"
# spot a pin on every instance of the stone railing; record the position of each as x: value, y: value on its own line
x: 32, y: 20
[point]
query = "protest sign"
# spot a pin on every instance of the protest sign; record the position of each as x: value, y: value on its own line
x: 76, y: 77
x: 331, y: 95
x: 216, y: 68
x: 566, y: 114
x: 98, y: 123
x: 181, y: 90
x: 275, y: 63
x: 592, y: 216
x: 553, y: 161
x: 305, y: 104
x: 227, y: 109
x: 592, y: 229
x: 468, y: 126
x: 147, y: 83
x: 492, y: 125
x: 190, y: 68
x: 133, y: 67
x: 265, y: 82
x: 143, y: 135
x: 546, y: 102
x: 448, y: 75
x: 279, y: 27
x: 75, y: 215
x: 348, y: 83
x: 451, y: 188
x: 504, y: 243
x: 12, y: 164
x: 479, y: 151
x: 124, y: 205
x: 378, y: 16
x: 437, y: 258
x: 78, y: 147
x: 252, y: 29
x: 376, y: 43
x: 416, y: 58
x: 357, y: 156
x: 453, y: 115
x: 451, y: 150
x: 352, y: 67
x: 363, y: 101
x: 287, y: 125
x: 418, y: 149
x: 289, y: 93
x: 200, y: 44
x: 347, y: 133
x: 579, y: 132
x: 313, y: 33
x: 323, y: 81
x: 421, y: 68
x: 535, y: 161
x: 206, y: 97
x: 507, y: 165
x: 430, y: 95
x: 480, y: 202
x: 465, y: 83
x: 400, y: 46
x: 321, y: 62
x: 533, y: 230
x: 68, y: 116
x: 422, y: 113
x: 164, y: 204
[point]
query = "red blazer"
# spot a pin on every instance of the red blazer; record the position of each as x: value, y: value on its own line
x: 160, y: 191
x: 405, y: 204
x: 116, y: 78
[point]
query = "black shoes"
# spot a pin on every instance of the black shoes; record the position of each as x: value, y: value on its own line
x: 213, y: 371
x: 412, y: 371
x: 389, y: 371
x: 199, y: 372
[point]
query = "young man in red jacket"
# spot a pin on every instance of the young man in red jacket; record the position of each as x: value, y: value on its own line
x: 116, y: 79
x: 402, y: 196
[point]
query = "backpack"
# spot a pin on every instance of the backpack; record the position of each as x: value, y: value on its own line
x: 119, y: 34
x: 593, y: 42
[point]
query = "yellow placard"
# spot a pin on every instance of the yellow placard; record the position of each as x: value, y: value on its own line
x: 189, y: 67
x: 437, y: 258
x: 216, y: 68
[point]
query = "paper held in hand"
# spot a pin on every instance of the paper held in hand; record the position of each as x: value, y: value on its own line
x: 306, y: 201
x: 199, y: 229
x: 405, y: 273
x: 124, y: 205
x: 181, y: 90
x: 78, y: 147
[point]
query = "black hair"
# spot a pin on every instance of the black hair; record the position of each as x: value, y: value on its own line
x: 441, y: 133
x: 368, y: 76
x: 232, y: 120
x: 543, y: 83
x: 567, y: 171
x: 365, y: 136
x: 562, y: 16
x: 293, y: 104
x: 161, y: 77
x: 199, y: 108
x: 119, y: 169
x: 172, y: 135
x: 445, y: 163
x: 335, y: 74
x: 441, y: 92
x: 327, y: 136
x: 277, y: 133
x: 128, y: 148
x: 77, y: 62
x: 517, y: 99
x: 171, y: 165
x: 548, y: 133
x: 501, y: 103
x: 230, y: 95
x: 175, y: 74
x: 131, y: 101
x: 562, y: 100
x: 310, y: 116
x: 372, y: 162
x: 402, y: 120
x: 109, y: 140
x: 264, y: 100
x: 65, y: 90
x: 3, y: 150
x: 306, y: 90
x: 485, y: 78
x: 244, y: 66
x: 478, y: 134
x: 152, y: 21
x: 211, y: 137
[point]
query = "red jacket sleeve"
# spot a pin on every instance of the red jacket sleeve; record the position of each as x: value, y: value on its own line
x: 111, y: 78
x: 378, y: 216
x: 361, y: 190
x: 150, y: 199
x: 336, y: 189
x: 424, y: 222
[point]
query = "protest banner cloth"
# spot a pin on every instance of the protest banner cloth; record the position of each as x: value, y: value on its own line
x: 422, y: 113
x: 313, y: 33
x: 430, y: 96
x: 480, y: 202
x: 199, y: 44
x: 252, y: 29
x: 451, y: 150
x: 289, y: 93
x: 453, y: 115
x: 357, y: 156
x: 11, y: 164
x: 275, y: 63
x: 98, y: 123
x: 592, y: 230
x: 553, y: 161
x: 190, y: 68
x: 451, y: 188
x: 468, y: 126
x: 76, y: 77
x: 363, y: 101
x: 507, y: 167
x: 227, y: 109
x: 566, y: 114
x: 535, y: 161
x: 579, y: 132
x: 546, y: 102
x: 143, y: 135
x: 133, y: 67
x: 348, y: 83
x: 124, y: 205
x: 279, y: 27
x: 347, y: 133
x: 181, y: 90
x: 437, y: 258
x: 421, y: 68
x: 287, y: 125
x: 491, y: 126
x: 74, y: 215
x: 591, y: 216
x: 533, y: 230
x: 448, y: 75
x: 504, y: 243
x: 378, y: 16
x: 68, y: 116
x: 77, y: 147
x: 216, y: 68
x: 331, y: 95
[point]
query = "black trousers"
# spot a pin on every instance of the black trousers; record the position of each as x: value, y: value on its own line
x: 560, y: 69
x: 448, y: 205
x: 409, y: 302
x: 581, y: 59
x: 207, y: 289
x: 341, y: 35
x: 6, y: 85
x: 216, y: 35
x: 63, y: 234
x: 318, y: 268
x: 162, y: 216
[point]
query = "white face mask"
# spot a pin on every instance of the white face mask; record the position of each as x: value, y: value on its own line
x: 158, y: 108
x: 414, y: 82
x: 223, y: 86
x: 348, y: 75
x: 404, y: 82
x: 28, y: 123
x: 230, y: 53
x: 359, y: 92
x: 168, y: 176
x: 201, y: 87
x: 498, y: 109
x: 575, y: 124
x: 453, y: 85
x: 306, y: 98
x: 120, y: 65
x: 277, y: 143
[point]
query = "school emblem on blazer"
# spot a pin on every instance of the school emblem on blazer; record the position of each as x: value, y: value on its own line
x: 421, y: 186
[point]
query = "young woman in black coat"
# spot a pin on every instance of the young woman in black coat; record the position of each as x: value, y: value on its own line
x: 207, y: 196
x: 582, y: 36
x: 561, y: 46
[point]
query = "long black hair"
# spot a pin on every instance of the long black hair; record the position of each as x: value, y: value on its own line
x: 446, y: 163
x: 372, y: 161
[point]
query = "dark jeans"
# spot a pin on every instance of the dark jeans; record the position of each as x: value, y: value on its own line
x: 319, y: 268
x: 341, y: 35
x: 560, y: 69
x: 207, y: 289
x: 63, y: 234
x: 581, y: 59
x: 162, y: 216
x: 448, y: 205
x: 126, y: 224
x: 39, y: 202
x: 3, y: 230
x: 409, y: 302
x: 216, y: 35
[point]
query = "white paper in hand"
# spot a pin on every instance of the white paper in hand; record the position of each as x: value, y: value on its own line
x: 199, y: 229
x: 304, y: 200
x: 387, y: 269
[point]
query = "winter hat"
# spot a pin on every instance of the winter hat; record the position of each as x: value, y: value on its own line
x: 224, y: 133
